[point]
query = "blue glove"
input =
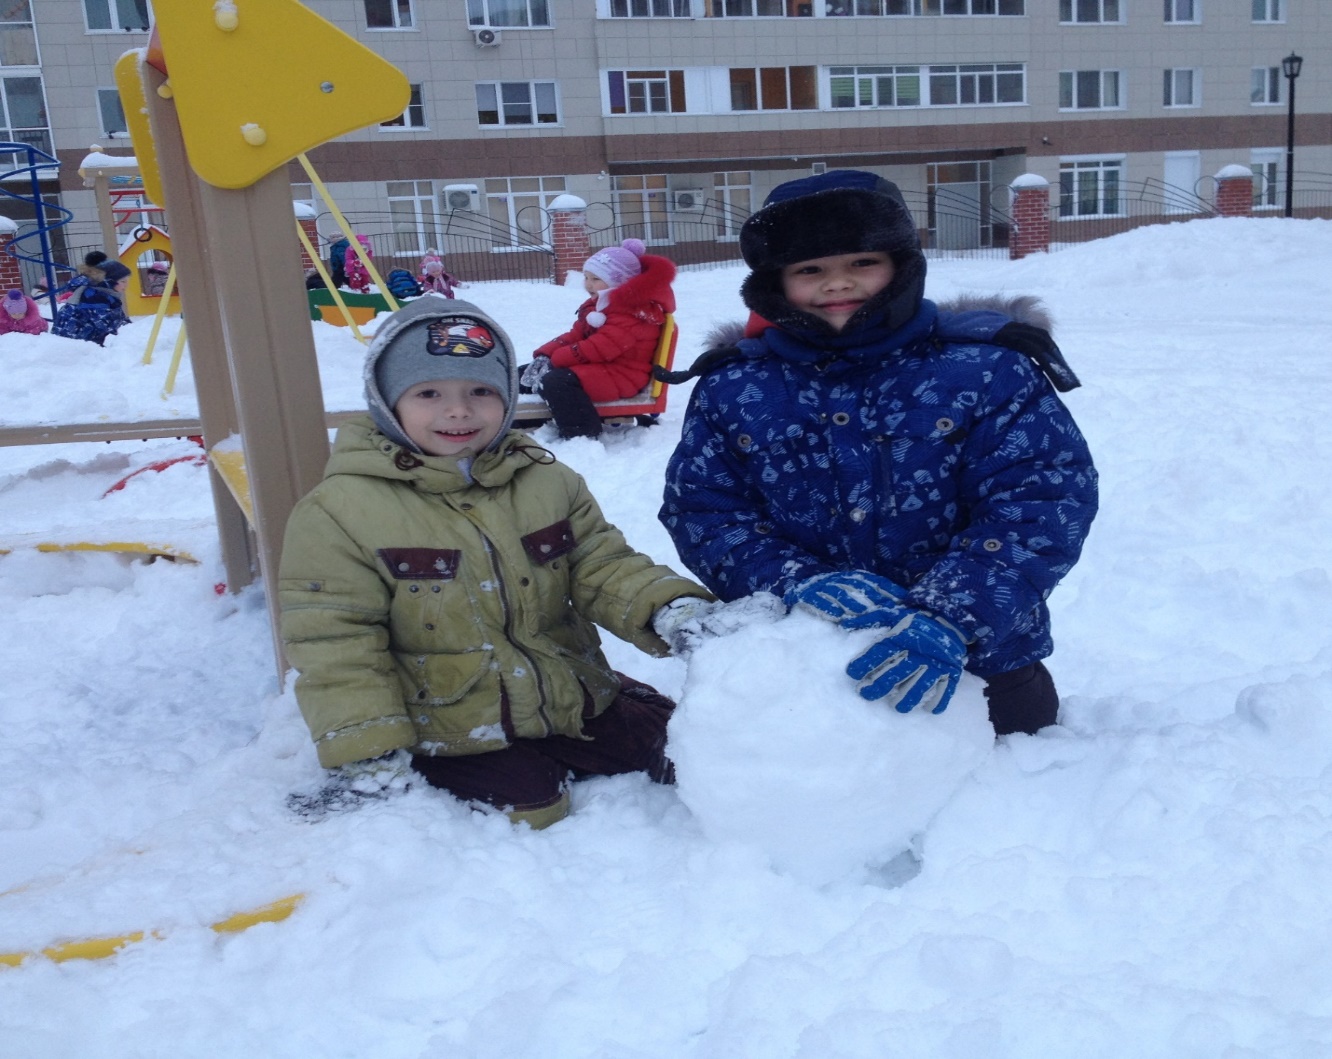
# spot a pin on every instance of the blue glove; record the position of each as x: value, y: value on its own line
x: 855, y: 599
x: 918, y: 663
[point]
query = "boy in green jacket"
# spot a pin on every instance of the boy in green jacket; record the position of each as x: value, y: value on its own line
x: 439, y: 590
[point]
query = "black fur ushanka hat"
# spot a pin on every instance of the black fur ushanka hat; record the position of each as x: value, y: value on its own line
x: 843, y: 211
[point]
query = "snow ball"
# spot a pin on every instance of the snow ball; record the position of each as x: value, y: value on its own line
x: 774, y: 749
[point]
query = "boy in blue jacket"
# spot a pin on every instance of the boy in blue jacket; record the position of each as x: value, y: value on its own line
x: 882, y: 463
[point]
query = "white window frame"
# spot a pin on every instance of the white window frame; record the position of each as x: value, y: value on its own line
x: 1112, y: 80
x: 646, y: 8
x: 1268, y: 11
x: 734, y: 194
x: 411, y: 119
x: 1265, y: 81
x: 10, y: 131
x: 1269, y: 169
x: 1077, y: 8
x: 870, y: 80
x: 652, y: 202
x: 535, y: 90
x: 480, y: 15
x: 110, y: 97
x: 420, y: 219
x: 1183, y: 12
x: 112, y: 12
x: 12, y: 25
x: 397, y: 9
x: 978, y: 74
x: 512, y: 202
x: 1171, y: 87
x: 923, y: 8
x: 1099, y: 166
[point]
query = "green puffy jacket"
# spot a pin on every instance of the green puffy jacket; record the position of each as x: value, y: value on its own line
x: 428, y: 611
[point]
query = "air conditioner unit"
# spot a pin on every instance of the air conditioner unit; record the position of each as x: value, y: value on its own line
x: 485, y: 38
x: 461, y: 197
x: 689, y: 200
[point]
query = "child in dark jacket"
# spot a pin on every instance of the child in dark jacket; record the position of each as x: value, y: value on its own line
x: 881, y: 463
x: 95, y: 310
x: 440, y: 587
x: 608, y: 352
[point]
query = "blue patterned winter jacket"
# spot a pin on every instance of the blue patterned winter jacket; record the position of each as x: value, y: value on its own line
x: 926, y: 454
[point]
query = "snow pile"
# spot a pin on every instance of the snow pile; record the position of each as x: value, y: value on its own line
x: 788, y: 759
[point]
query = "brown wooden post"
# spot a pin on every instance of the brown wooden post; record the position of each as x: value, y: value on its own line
x: 1234, y: 191
x: 568, y: 235
x: 305, y: 217
x: 201, y: 315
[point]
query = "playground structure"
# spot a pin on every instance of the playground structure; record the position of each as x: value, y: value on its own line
x: 216, y: 162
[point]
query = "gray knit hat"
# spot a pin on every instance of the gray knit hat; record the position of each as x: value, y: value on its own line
x: 436, y: 338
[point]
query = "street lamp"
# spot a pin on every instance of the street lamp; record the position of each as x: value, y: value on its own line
x: 1290, y: 66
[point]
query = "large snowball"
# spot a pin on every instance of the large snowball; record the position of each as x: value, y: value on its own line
x: 774, y: 749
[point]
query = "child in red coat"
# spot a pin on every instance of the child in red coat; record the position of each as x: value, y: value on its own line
x: 608, y: 352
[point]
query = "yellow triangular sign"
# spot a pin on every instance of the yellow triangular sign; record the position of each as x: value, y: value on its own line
x: 257, y: 82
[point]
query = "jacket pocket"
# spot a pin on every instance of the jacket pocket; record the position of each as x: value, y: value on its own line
x: 918, y: 457
x: 443, y: 679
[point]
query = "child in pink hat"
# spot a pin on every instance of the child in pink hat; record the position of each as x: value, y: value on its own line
x: 608, y: 352
x: 21, y: 314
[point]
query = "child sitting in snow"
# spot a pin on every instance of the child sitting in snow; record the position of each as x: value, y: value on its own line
x: 439, y: 589
x: 95, y: 311
x: 433, y: 278
x: 21, y: 314
x: 882, y: 463
x: 608, y: 352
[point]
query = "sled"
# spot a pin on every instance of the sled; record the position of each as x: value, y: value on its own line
x: 100, y: 948
x: 649, y: 401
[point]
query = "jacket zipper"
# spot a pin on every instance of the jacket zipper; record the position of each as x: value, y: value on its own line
x: 508, y: 626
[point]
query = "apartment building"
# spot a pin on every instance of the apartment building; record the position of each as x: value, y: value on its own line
x: 673, y: 118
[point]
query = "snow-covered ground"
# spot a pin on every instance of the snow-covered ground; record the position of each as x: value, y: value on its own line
x: 1150, y: 879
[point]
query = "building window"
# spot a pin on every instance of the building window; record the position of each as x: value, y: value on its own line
x: 18, y: 38
x: 1265, y: 85
x: 640, y: 208
x: 733, y: 195
x: 1090, y: 188
x: 1268, y: 11
x: 882, y: 8
x: 111, y: 112
x: 1182, y: 88
x: 1269, y: 178
x: 649, y: 8
x: 1089, y: 90
x: 118, y: 15
x: 774, y: 88
x: 414, y: 216
x: 389, y: 14
x: 517, y: 209
x: 411, y: 118
x: 874, y: 86
x: 976, y: 84
x: 747, y: 9
x: 508, y: 14
x: 23, y: 111
x: 646, y: 91
x: 1089, y: 11
x: 517, y: 103
x: 1183, y: 11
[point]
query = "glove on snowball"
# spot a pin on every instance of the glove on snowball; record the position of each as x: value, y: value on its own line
x: 686, y: 622
x: 918, y: 663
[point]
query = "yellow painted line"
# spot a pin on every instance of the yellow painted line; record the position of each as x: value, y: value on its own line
x: 162, y: 551
x: 100, y: 948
